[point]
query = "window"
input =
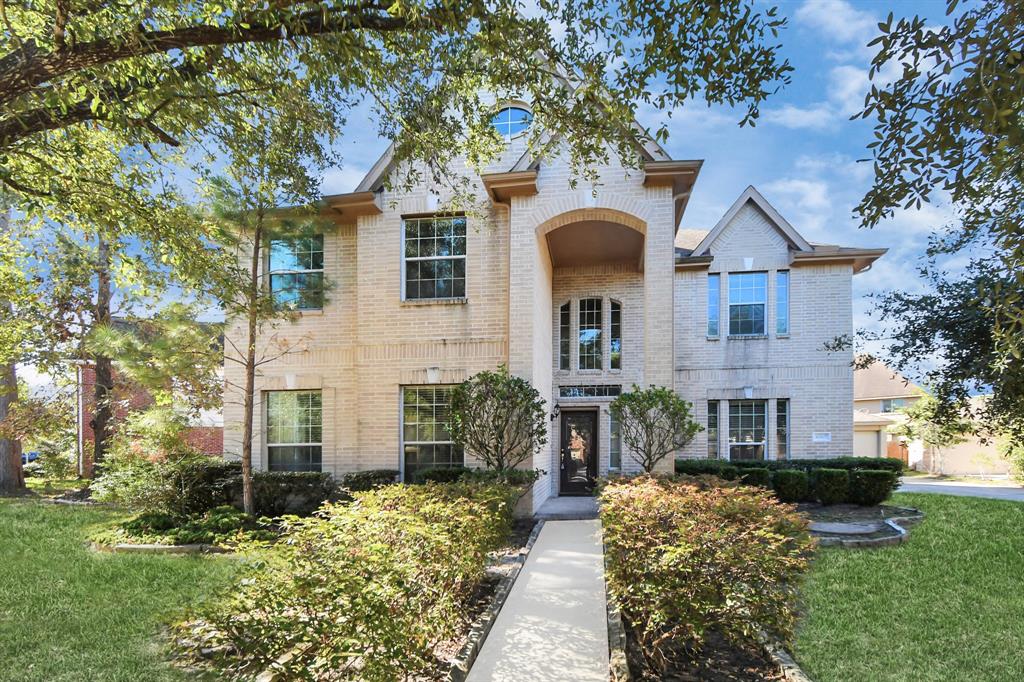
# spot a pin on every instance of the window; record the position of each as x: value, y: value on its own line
x: 425, y: 438
x: 892, y: 404
x: 714, y: 282
x: 782, y: 302
x: 782, y: 429
x: 297, y: 272
x: 615, y: 446
x: 616, y: 340
x: 511, y: 121
x: 747, y: 296
x: 590, y: 333
x: 602, y: 391
x: 435, y: 257
x: 564, y: 340
x: 713, y: 429
x: 294, y: 430
x: 746, y: 429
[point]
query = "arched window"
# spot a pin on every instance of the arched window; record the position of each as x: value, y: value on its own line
x: 615, y: 344
x: 564, y: 322
x: 511, y: 121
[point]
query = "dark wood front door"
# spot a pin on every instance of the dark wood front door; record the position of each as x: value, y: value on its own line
x: 578, y: 452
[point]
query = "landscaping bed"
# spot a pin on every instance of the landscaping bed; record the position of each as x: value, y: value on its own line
x: 720, y: 660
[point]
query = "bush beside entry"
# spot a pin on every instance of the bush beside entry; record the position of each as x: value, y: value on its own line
x: 756, y: 476
x: 791, y: 485
x: 654, y: 422
x: 831, y: 486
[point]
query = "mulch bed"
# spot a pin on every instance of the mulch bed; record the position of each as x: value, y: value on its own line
x: 719, y: 661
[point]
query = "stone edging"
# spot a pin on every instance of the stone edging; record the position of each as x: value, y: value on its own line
x: 618, y: 666
x: 482, y: 627
x: 897, y: 523
x: 128, y: 548
x: 791, y: 670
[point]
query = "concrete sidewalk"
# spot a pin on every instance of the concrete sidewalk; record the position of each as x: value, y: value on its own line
x: 553, y: 627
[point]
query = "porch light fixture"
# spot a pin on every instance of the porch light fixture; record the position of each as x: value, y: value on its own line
x: 555, y: 412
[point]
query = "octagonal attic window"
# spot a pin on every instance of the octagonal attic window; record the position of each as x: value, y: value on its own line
x: 511, y: 121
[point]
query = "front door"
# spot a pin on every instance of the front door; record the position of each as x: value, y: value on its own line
x: 578, y: 452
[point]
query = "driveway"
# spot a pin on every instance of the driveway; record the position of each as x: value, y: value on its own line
x: 1000, y: 491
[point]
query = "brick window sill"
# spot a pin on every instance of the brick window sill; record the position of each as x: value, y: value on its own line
x: 415, y: 302
x: 745, y: 337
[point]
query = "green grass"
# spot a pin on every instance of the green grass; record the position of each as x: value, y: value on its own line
x: 947, y: 605
x: 53, y: 486
x: 67, y: 613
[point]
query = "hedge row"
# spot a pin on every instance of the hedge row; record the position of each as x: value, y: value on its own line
x: 362, y: 591
x: 808, y: 482
x: 685, y: 558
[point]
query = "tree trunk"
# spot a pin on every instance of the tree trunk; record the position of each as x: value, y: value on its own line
x: 248, y: 399
x: 103, y: 389
x: 12, y: 478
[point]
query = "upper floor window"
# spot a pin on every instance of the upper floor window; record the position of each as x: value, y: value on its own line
x: 434, y: 251
x: 892, y: 404
x: 615, y: 343
x: 782, y: 302
x: 564, y: 342
x: 297, y: 272
x: 590, y: 333
x: 748, y: 295
x: 747, y: 421
x: 511, y: 121
x: 294, y: 430
x: 714, y: 282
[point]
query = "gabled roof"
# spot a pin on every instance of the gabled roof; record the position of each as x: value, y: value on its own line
x: 751, y: 195
x: 878, y: 381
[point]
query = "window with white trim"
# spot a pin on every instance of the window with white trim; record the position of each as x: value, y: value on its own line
x: 747, y: 421
x: 511, y: 121
x: 294, y: 430
x: 714, y: 284
x: 426, y: 442
x: 615, y: 341
x: 892, y: 405
x: 713, y: 429
x: 434, y: 257
x: 564, y: 334
x: 781, y: 429
x: 748, y: 297
x: 782, y: 302
x: 296, y: 269
x: 590, y: 333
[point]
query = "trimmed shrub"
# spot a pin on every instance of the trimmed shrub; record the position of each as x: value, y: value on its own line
x: 181, y: 485
x: 683, y: 559
x: 440, y: 474
x: 364, y: 591
x: 219, y: 526
x: 362, y: 481
x: 287, y: 492
x: 707, y: 467
x: 791, y: 485
x: 831, y: 486
x: 758, y: 476
x: 847, y: 463
x: 514, y: 477
x: 869, y: 487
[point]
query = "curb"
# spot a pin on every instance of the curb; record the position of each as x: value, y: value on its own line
x: 482, y: 627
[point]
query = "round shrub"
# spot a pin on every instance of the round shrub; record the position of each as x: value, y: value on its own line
x: 831, y: 486
x: 870, y: 486
x: 760, y: 477
x: 707, y: 467
x: 361, y: 481
x: 440, y: 474
x: 791, y: 485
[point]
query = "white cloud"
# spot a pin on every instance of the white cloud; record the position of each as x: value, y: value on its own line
x: 838, y: 20
x: 847, y: 87
x: 805, y: 195
x: 342, y: 180
x: 819, y: 116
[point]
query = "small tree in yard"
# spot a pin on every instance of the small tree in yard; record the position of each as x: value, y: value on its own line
x: 499, y: 418
x: 654, y: 422
x: 929, y: 421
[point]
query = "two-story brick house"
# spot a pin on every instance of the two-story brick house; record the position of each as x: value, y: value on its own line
x: 581, y: 291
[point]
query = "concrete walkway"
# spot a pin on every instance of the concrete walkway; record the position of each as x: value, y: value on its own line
x: 553, y: 627
x: 1002, y: 491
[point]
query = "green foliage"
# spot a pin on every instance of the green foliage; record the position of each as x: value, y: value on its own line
x: 791, y: 485
x: 440, y: 474
x: 684, y: 559
x: 499, y: 418
x: 366, y: 590
x: 221, y: 526
x: 713, y: 467
x: 849, y: 463
x: 759, y: 476
x: 371, y: 479
x: 654, y: 422
x: 517, y: 478
x: 926, y: 421
x: 284, y: 492
x: 831, y: 486
x: 56, y: 461
x: 179, y: 485
x: 870, y: 487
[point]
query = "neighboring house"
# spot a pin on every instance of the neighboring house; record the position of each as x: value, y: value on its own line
x: 583, y: 294
x: 879, y: 396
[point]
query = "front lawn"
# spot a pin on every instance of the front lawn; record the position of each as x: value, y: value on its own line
x: 67, y: 613
x: 947, y: 605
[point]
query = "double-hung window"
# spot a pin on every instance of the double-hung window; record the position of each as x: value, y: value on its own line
x: 782, y: 302
x: 748, y: 296
x: 297, y: 272
x: 713, y: 429
x: 590, y: 333
x: 425, y: 437
x: 434, y: 253
x: 294, y: 430
x: 782, y: 429
x: 747, y: 421
x: 714, y: 283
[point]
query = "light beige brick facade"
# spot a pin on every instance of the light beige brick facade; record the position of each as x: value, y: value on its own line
x: 367, y: 342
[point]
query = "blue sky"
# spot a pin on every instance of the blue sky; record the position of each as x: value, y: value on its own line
x: 802, y: 155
